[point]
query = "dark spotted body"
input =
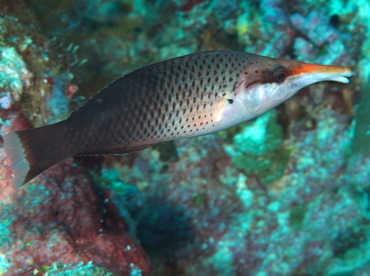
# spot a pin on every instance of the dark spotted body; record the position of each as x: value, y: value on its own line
x: 176, y: 98
x: 182, y: 97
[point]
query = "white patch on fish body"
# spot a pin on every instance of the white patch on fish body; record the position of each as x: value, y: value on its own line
x: 241, y: 106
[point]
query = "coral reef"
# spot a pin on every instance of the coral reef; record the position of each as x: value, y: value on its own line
x: 280, y: 195
x: 361, y: 143
x: 62, y: 224
x: 257, y: 149
x: 29, y: 68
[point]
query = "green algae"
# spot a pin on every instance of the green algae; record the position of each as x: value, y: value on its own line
x: 360, y: 144
x: 263, y: 136
x: 30, y: 67
x: 198, y: 199
x: 82, y: 269
x: 13, y: 71
x: 167, y: 151
x: 296, y: 216
x: 261, y: 151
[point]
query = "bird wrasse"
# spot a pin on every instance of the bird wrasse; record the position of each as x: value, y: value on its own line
x: 187, y: 96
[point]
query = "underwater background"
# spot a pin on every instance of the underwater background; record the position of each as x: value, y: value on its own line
x: 287, y: 193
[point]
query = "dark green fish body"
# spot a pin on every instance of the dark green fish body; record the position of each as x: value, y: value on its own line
x: 182, y: 97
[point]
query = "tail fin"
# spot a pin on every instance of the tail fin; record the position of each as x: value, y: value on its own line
x: 34, y: 150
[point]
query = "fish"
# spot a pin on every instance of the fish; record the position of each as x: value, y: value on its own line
x: 183, y: 97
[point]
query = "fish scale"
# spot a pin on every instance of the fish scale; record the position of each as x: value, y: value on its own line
x: 182, y: 97
x: 181, y: 109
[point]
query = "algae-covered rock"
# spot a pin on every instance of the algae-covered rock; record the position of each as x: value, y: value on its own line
x: 259, y: 148
x: 32, y: 71
x: 263, y: 136
x: 360, y: 144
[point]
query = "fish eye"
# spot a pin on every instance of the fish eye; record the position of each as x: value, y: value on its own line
x: 280, y: 74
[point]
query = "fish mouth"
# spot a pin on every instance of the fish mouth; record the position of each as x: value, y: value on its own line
x: 316, y: 73
x: 342, y: 77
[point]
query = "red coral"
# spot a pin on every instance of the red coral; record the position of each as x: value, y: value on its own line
x: 63, y: 221
x: 17, y: 122
x: 189, y: 5
x: 6, y: 182
x: 17, y: 119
